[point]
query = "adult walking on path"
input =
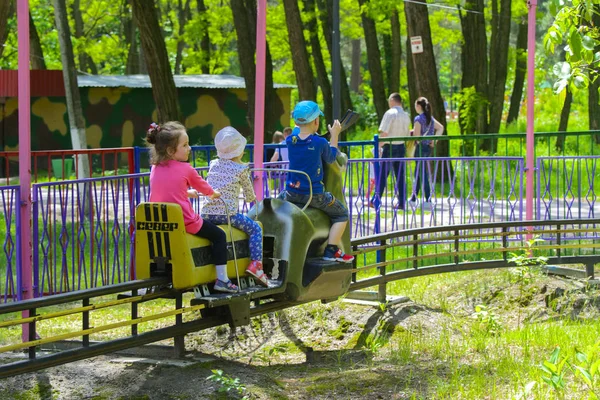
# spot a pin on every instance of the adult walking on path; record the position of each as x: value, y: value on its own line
x: 424, y: 125
x: 395, y: 123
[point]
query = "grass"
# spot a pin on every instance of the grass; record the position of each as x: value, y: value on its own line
x: 459, y: 359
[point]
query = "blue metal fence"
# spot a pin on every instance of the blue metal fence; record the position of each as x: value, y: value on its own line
x: 83, y: 230
x: 10, y: 259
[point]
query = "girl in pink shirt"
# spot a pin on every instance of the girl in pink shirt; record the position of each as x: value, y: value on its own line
x: 173, y: 180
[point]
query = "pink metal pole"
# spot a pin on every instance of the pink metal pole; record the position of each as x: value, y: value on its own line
x: 530, y: 110
x: 259, y: 96
x: 24, y: 155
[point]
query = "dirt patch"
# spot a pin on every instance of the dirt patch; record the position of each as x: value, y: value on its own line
x: 316, y: 351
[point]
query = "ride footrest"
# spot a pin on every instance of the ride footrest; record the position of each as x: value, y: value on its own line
x: 315, y: 267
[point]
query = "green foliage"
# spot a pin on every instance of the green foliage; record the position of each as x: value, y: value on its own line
x: 228, y: 384
x: 486, y: 320
x: 470, y: 102
x: 581, y: 367
x: 573, y: 27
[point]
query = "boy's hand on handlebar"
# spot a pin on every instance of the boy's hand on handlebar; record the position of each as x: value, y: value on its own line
x: 215, y: 195
x: 335, y: 129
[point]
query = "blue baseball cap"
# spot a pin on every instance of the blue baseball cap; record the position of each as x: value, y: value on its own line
x: 305, y: 112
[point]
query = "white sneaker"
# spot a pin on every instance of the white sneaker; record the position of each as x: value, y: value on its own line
x: 413, y: 203
x: 427, y: 206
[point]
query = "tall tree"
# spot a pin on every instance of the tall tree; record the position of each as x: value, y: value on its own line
x: 157, y: 60
x: 36, y: 55
x: 386, y: 38
x: 86, y: 63
x: 245, y: 46
x: 413, y: 92
x: 498, y: 65
x: 474, y: 47
x: 302, y: 69
x: 205, y: 37
x: 374, y: 60
x: 130, y: 32
x: 317, y: 53
x: 6, y: 11
x: 74, y: 110
x: 564, y: 119
x: 520, y: 70
x: 183, y: 15
x: 244, y: 19
x: 396, y: 52
x: 427, y: 84
x: 355, y: 72
x: 326, y: 17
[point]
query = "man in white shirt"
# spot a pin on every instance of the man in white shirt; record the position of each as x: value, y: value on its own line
x: 395, y: 124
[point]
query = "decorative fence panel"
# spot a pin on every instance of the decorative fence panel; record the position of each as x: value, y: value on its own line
x: 462, y: 190
x: 567, y: 188
x: 10, y: 273
x: 83, y: 232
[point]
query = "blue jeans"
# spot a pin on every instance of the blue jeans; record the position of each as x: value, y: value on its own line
x: 422, y: 170
x: 326, y: 202
x: 383, y: 171
x: 245, y: 224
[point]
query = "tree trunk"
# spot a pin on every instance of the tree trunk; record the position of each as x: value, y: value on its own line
x: 157, y: 61
x: 355, y: 72
x: 36, y: 55
x: 75, y: 112
x: 396, y: 53
x: 498, y: 68
x: 387, y: 61
x: 594, y: 86
x: 520, y: 70
x: 317, y: 53
x: 245, y: 48
x: 427, y: 84
x: 374, y: 62
x: 182, y: 16
x: 594, y: 107
x: 413, y: 92
x: 326, y: 16
x: 133, y: 56
x: 6, y: 11
x: 273, y: 104
x: 244, y: 18
x: 474, y: 47
x: 86, y: 63
x: 205, y: 38
x: 564, y: 119
x: 300, y: 61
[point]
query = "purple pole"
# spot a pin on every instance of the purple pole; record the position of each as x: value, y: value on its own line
x: 24, y: 156
x: 530, y: 109
x: 259, y: 95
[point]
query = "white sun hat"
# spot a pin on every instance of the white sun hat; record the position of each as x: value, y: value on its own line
x: 229, y: 143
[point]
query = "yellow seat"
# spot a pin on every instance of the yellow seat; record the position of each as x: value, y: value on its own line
x: 162, y: 246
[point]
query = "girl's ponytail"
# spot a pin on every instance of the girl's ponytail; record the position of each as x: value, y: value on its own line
x: 426, y: 107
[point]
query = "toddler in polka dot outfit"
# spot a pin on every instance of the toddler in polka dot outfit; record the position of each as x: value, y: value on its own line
x: 228, y: 175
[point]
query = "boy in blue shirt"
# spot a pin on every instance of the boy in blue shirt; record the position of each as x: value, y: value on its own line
x: 307, y: 152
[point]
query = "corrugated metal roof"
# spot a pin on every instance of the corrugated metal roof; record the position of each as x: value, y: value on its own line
x: 41, y: 83
x: 181, y: 81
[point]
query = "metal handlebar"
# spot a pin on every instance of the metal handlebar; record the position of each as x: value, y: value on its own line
x: 296, y: 172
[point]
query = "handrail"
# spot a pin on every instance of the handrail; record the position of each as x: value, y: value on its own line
x: 310, y: 195
x: 485, y: 225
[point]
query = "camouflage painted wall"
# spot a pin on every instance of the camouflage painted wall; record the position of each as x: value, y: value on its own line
x: 119, y: 117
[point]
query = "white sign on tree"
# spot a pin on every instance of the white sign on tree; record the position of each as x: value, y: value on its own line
x: 416, y: 44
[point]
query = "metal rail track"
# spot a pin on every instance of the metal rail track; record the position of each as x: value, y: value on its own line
x: 509, y: 236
